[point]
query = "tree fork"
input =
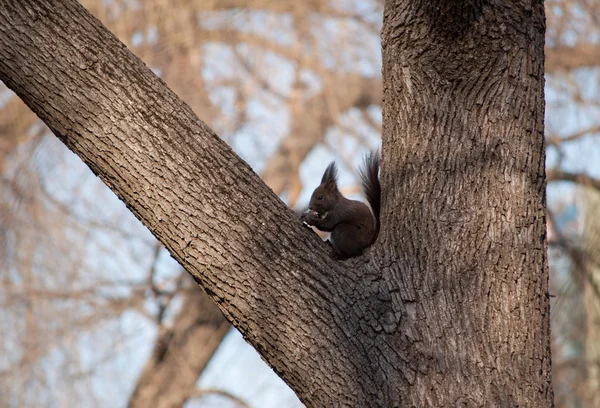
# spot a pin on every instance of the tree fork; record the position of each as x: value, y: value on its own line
x: 449, y: 307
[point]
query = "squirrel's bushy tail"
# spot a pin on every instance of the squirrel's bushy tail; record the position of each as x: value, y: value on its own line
x: 369, y: 173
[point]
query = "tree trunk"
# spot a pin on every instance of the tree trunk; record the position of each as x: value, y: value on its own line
x: 449, y: 307
x: 463, y: 150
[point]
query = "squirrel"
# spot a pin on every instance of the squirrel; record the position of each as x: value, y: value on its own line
x: 352, y: 225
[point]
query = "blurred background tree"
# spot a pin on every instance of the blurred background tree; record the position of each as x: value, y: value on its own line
x: 95, y: 313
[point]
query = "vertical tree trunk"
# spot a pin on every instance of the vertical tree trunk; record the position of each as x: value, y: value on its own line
x: 464, y: 200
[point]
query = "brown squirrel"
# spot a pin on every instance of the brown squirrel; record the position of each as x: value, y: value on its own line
x: 352, y: 225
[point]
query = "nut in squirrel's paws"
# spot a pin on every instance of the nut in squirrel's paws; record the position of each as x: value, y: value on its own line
x: 308, y: 215
x: 311, y: 212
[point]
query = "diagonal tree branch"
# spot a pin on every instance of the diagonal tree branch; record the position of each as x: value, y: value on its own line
x: 181, y: 353
x: 212, y: 212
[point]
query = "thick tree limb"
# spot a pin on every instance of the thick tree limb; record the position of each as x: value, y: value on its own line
x: 157, y: 382
x: 269, y: 275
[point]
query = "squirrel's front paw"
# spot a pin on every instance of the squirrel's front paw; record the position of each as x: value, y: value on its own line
x: 309, y: 217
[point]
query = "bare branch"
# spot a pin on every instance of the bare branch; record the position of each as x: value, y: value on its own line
x: 564, y: 58
x: 199, y: 393
x: 556, y: 140
x: 579, y: 178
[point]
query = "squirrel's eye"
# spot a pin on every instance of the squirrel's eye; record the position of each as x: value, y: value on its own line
x: 320, y: 197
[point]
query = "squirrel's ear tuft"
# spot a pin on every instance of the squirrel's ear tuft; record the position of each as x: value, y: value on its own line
x: 330, y: 176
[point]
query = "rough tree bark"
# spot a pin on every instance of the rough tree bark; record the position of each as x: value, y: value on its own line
x: 449, y: 307
x: 463, y: 139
